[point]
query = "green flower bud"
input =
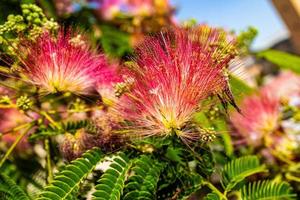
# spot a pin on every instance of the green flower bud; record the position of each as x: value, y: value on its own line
x: 24, y: 103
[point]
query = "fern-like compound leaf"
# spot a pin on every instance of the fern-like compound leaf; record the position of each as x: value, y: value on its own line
x: 9, y: 190
x: 267, y: 190
x: 141, y: 185
x: 67, y: 181
x: 65, y: 127
x: 212, y: 196
x: 238, y: 169
x: 111, y: 184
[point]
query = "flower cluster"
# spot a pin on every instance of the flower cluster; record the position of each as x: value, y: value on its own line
x: 260, y: 117
x: 267, y: 119
x: 173, y: 73
x: 157, y: 94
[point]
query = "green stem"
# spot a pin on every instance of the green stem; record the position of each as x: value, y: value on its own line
x: 48, y: 161
x: 214, y: 189
x: 49, y: 118
x: 7, y: 106
x: 17, y: 128
x: 295, y: 167
x: 289, y: 176
x: 12, y: 147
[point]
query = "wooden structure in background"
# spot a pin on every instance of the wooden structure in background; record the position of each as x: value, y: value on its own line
x: 290, y: 13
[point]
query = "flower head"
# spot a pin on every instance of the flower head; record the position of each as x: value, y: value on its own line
x: 62, y: 64
x: 172, y: 74
x: 285, y: 86
x: 261, y: 116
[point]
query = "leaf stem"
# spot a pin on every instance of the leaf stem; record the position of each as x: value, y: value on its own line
x: 214, y: 189
x: 17, y: 128
x: 12, y: 147
x: 289, y: 176
x: 8, y: 106
x: 48, y: 161
x: 50, y: 119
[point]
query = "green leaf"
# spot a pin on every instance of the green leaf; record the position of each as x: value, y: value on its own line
x: 114, y: 41
x: 238, y: 169
x: 182, y: 188
x: 267, y: 190
x: 9, y: 190
x: 239, y: 88
x: 67, y: 181
x: 222, y: 127
x: 245, y: 39
x: 282, y: 59
x: 111, y: 184
x: 212, y: 196
x: 142, y: 184
x: 65, y: 127
x: 174, y: 154
x: 194, y: 183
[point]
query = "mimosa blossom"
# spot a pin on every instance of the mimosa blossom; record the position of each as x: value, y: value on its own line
x: 173, y: 73
x: 261, y: 114
x: 63, y: 64
x: 285, y: 86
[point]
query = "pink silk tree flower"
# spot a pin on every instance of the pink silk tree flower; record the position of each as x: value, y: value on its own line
x: 173, y: 73
x: 62, y: 64
x: 260, y: 117
x: 284, y: 86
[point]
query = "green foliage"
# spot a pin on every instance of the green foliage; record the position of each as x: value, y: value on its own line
x: 245, y: 39
x: 239, y: 87
x: 193, y: 182
x: 174, y: 154
x: 238, y: 169
x: 267, y: 190
x: 142, y: 184
x: 68, y: 180
x: 282, y: 59
x: 111, y: 184
x: 9, y: 190
x: 115, y: 42
x: 212, y: 196
x: 182, y: 187
x: 64, y: 127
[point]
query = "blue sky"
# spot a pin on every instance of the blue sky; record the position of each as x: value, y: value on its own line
x: 236, y: 15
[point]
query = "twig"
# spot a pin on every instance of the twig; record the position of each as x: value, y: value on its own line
x: 48, y: 161
x: 12, y: 147
x: 214, y: 189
